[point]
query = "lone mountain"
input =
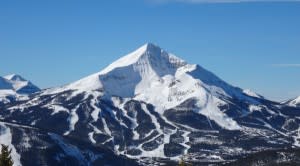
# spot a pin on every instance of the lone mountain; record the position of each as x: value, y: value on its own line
x: 148, y: 107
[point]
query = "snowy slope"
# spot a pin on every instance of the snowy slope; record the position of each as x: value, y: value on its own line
x: 149, y: 71
x: 6, y: 139
x: 251, y: 93
x: 294, y: 102
x: 151, y: 103
x: 20, y: 85
x: 5, y: 84
x: 14, y: 87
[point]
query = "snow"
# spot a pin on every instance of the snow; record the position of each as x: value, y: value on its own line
x: 149, y: 71
x: 73, y: 119
x: 91, y: 137
x: 105, y: 127
x: 186, y: 141
x: 96, y: 114
x: 96, y: 111
x: 17, y: 82
x: 4, y: 93
x: 86, y: 84
x: 153, y: 119
x: 14, y: 77
x: 160, y: 150
x: 267, y: 125
x: 120, y: 104
x: 91, y: 134
x: 126, y: 60
x: 297, y: 138
x: 151, y: 75
x: 56, y: 108
x: 295, y: 102
x: 25, y: 141
x: 70, y: 150
x: 122, y: 76
x: 20, y: 84
x: 211, y: 110
x: 96, y: 130
x: 5, y: 84
x: 14, y: 86
x: 165, y: 134
x: 7, y: 92
x: 153, y: 71
x: 251, y: 93
x: 253, y: 108
x: 6, y: 139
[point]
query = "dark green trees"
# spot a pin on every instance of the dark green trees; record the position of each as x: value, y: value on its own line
x: 5, y: 156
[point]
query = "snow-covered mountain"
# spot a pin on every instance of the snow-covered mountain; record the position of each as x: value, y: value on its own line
x: 293, y: 102
x: 154, y: 107
x: 14, y: 87
x: 150, y: 71
x: 21, y: 85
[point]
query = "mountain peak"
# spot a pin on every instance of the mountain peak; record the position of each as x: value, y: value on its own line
x: 157, y: 77
x: 147, y: 54
x: 293, y: 102
x: 15, y: 87
x: 20, y: 84
x: 14, y: 77
x: 151, y: 47
x: 121, y: 77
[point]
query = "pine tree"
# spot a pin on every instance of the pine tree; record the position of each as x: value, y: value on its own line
x: 5, y: 156
x: 181, y: 162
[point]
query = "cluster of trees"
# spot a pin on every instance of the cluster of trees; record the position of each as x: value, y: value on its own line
x: 5, y: 156
x: 183, y: 163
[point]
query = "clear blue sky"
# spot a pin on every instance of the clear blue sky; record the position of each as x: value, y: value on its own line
x: 250, y: 45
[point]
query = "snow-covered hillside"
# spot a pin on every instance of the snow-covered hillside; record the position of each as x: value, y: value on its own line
x: 151, y: 106
x: 152, y: 75
x: 293, y: 102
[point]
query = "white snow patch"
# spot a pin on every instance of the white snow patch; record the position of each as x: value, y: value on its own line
x: 6, y: 139
x: 91, y: 137
x: 211, y: 110
x: 253, y: 108
x: 251, y: 93
x: 56, y: 108
x: 295, y: 102
x: 73, y: 119
x: 96, y: 110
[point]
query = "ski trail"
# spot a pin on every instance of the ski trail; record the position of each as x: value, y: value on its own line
x: 73, y: 119
x: 297, y: 138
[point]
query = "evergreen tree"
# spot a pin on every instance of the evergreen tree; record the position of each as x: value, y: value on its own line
x: 181, y: 162
x: 5, y: 156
